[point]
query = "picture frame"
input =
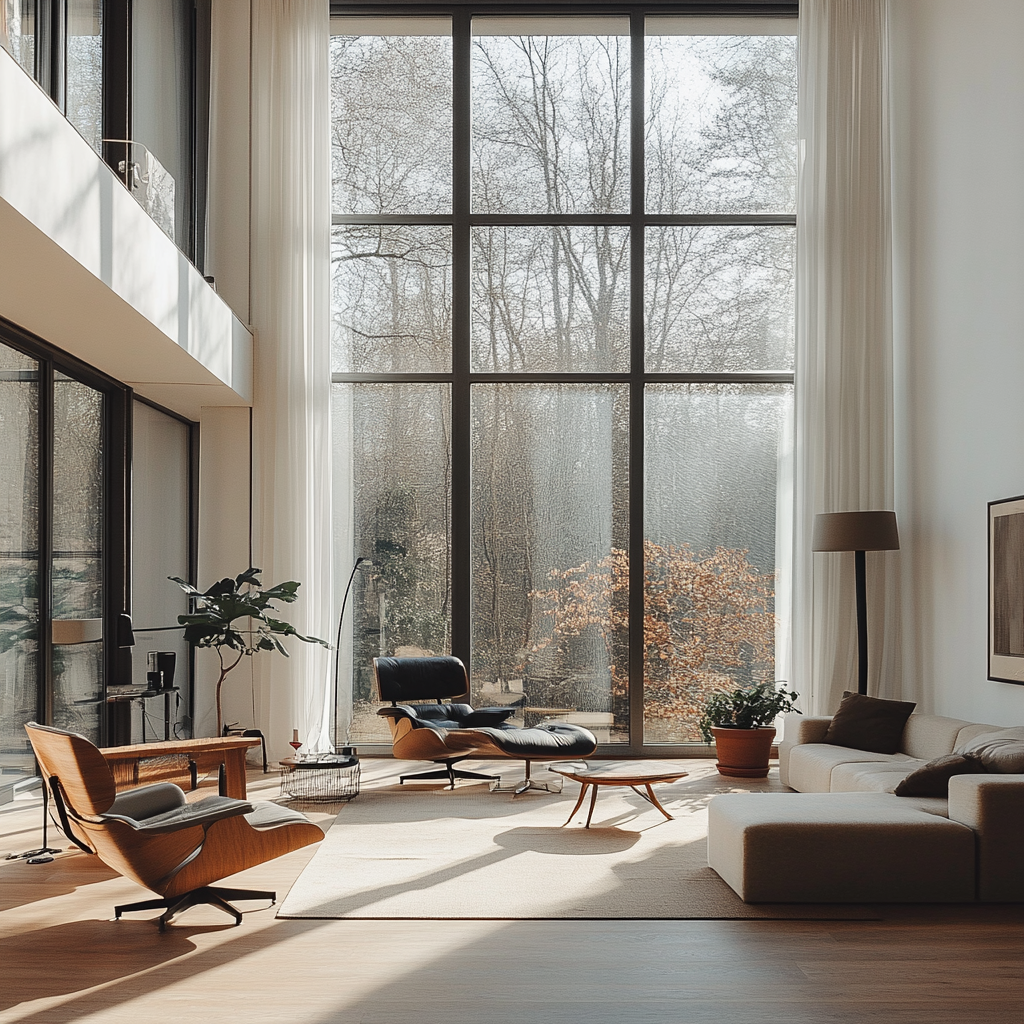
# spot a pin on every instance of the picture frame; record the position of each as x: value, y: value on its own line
x: 1006, y: 590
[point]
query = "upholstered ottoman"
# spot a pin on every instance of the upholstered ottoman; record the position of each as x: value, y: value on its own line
x: 838, y: 848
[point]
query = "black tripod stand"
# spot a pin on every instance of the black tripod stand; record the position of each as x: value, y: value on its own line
x: 43, y: 855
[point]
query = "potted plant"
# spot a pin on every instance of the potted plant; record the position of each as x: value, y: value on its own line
x: 212, y: 624
x: 740, y: 725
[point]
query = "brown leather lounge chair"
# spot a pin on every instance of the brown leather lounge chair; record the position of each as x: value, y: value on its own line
x: 156, y: 838
x: 447, y: 733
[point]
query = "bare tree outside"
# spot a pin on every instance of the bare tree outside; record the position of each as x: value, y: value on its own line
x: 550, y: 458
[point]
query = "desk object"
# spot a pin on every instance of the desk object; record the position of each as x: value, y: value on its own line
x: 206, y: 754
x: 622, y: 773
x: 126, y: 694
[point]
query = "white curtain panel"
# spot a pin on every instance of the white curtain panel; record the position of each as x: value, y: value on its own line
x: 844, y: 417
x: 290, y: 279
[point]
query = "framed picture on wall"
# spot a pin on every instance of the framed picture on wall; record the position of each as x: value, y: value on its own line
x: 1006, y: 590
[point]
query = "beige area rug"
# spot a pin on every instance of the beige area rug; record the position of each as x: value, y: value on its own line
x: 421, y: 851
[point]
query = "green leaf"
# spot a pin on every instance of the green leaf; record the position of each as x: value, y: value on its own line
x: 282, y: 592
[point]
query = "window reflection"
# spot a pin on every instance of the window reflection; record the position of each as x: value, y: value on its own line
x: 84, y: 70
x: 77, y: 571
x: 19, y: 557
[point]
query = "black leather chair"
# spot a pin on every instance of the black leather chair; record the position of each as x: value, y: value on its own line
x: 447, y: 733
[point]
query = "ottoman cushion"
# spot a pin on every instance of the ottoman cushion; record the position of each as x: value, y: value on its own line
x: 551, y: 739
x: 838, y: 848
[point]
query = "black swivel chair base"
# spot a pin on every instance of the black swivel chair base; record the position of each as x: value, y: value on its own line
x: 451, y: 774
x: 208, y: 894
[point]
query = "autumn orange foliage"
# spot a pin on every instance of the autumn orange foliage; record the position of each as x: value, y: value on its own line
x: 708, y: 625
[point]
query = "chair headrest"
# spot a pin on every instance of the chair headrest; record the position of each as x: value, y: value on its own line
x: 84, y: 774
x: 412, y: 679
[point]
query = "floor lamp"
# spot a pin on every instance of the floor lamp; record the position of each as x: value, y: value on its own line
x: 359, y: 563
x: 857, y: 532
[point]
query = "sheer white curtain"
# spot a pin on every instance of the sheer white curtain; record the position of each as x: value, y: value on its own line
x: 290, y: 279
x: 844, y: 453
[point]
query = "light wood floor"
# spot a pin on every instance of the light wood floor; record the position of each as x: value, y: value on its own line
x: 62, y: 959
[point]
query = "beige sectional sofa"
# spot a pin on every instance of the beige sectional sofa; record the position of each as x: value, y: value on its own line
x: 845, y: 837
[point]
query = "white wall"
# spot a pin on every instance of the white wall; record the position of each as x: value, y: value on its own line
x: 958, y: 200
x: 224, y: 550
x: 85, y: 268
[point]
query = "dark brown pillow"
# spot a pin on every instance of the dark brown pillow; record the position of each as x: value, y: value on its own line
x: 932, y: 779
x: 869, y: 723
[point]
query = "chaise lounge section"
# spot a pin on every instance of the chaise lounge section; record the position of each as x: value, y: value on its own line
x: 845, y: 837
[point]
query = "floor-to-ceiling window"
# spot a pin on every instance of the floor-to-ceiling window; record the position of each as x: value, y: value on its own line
x: 562, y: 355
x: 63, y: 474
x: 19, y: 555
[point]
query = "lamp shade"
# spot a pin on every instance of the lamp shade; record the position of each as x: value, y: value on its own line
x: 855, y: 531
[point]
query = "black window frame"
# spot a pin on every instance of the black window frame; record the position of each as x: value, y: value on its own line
x: 118, y: 404
x: 115, y: 510
x: 462, y: 220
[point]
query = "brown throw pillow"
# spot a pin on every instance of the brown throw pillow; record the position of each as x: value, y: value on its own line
x: 932, y: 779
x: 1001, y: 751
x: 869, y: 723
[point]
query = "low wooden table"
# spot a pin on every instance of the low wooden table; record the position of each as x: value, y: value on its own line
x: 206, y: 754
x: 620, y: 773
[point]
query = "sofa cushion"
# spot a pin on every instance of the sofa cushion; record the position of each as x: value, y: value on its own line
x: 869, y: 723
x: 929, y: 736
x: 1001, y: 751
x: 811, y: 764
x: 873, y: 776
x: 932, y: 778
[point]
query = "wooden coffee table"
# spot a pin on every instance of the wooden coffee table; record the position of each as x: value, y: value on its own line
x: 619, y: 773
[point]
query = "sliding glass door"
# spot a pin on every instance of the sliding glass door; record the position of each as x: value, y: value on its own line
x: 19, y: 557
x: 78, y: 558
x: 63, y: 542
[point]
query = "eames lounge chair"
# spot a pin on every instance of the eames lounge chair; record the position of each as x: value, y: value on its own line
x: 155, y: 837
x: 447, y: 733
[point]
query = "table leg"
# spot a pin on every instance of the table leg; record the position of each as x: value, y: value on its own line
x: 654, y: 800
x: 579, y: 803
x: 234, y: 764
x: 593, y: 800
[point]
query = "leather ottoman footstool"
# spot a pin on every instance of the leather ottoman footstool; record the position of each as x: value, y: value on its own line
x: 838, y: 848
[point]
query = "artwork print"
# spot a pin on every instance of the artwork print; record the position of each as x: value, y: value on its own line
x: 1006, y: 590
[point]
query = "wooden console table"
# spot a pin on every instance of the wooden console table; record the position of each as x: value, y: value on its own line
x: 206, y: 754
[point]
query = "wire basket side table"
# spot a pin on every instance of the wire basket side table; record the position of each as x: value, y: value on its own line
x: 320, y: 781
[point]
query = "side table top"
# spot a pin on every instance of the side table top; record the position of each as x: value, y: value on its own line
x: 621, y: 773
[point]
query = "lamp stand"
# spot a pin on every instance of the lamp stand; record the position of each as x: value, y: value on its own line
x: 45, y: 853
x: 862, y: 623
x: 337, y: 650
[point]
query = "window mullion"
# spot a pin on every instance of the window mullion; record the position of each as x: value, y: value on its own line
x: 461, y: 299
x: 636, y: 388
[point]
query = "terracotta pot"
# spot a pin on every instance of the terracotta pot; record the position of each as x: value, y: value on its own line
x: 743, y: 753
